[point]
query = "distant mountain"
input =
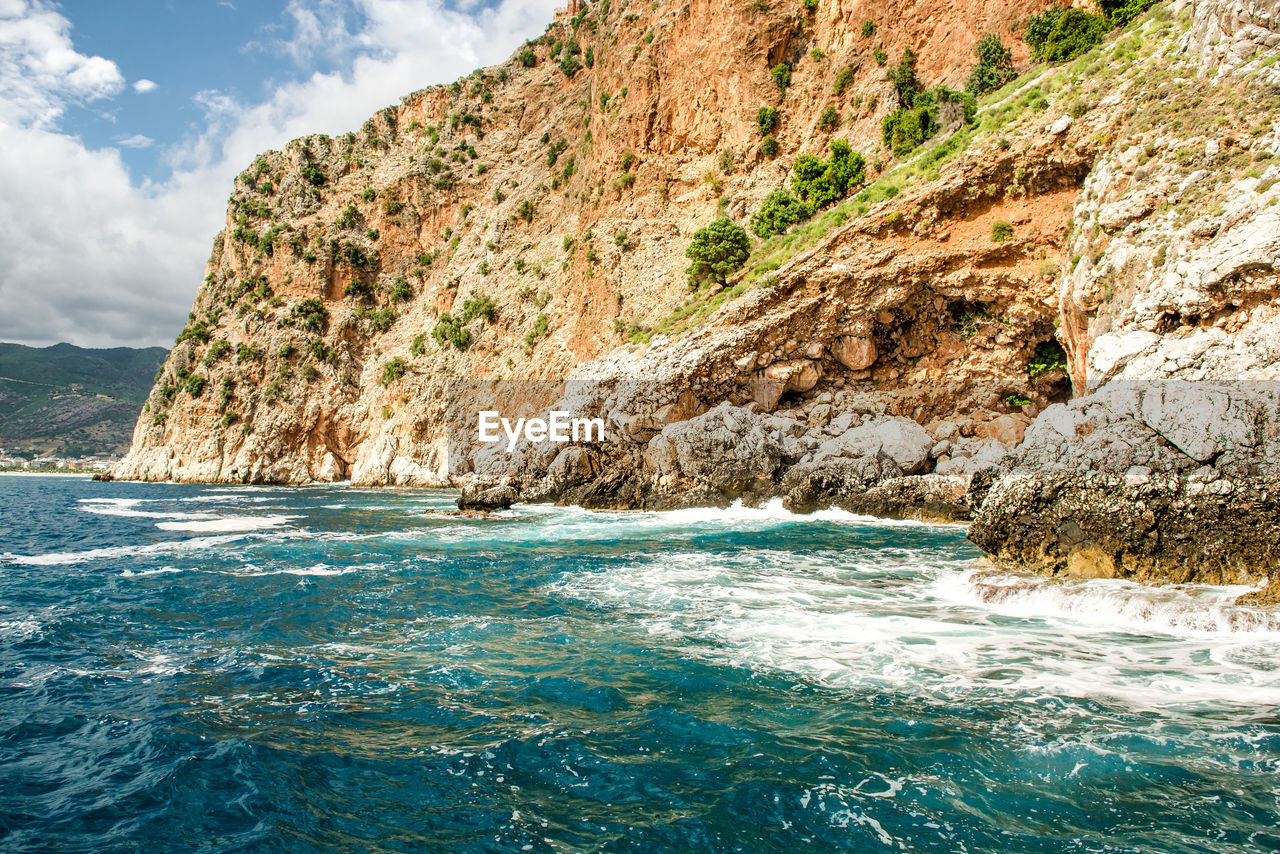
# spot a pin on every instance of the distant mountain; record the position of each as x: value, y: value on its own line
x: 68, y: 401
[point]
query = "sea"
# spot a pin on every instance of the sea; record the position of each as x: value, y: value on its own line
x: 324, y: 669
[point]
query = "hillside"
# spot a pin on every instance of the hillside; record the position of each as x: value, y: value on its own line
x: 953, y: 272
x: 69, y: 401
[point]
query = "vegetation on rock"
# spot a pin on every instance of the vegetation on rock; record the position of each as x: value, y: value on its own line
x: 717, y: 250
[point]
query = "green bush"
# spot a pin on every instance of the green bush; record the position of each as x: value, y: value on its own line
x: 868, y: 28
x: 358, y: 289
x: 198, y: 331
x: 1121, y: 12
x: 904, y: 79
x: 1058, y: 34
x: 393, y: 370
x: 419, y: 345
x: 310, y: 315
x: 194, y: 385
x: 767, y: 120
x: 539, y: 329
x: 477, y: 305
x: 527, y: 57
x: 349, y: 217
x: 769, y: 146
x: 830, y: 119
x: 994, y: 68
x: 880, y: 57
x: 843, y: 79
x: 525, y: 211
x: 904, y: 130
x: 809, y: 5
x: 217, y: 350
x: 823, y: 182
x: 1001, y: 230
x: 717, y: 250
x: 779, y: 211
x: 451, y: 330
x: 401, y: 290
x: 781, y: 76
x: 313, y: 176
x: 381, y: 318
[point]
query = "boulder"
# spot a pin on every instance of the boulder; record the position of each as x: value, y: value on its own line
x: 486, y: 497
x: 855, y: 352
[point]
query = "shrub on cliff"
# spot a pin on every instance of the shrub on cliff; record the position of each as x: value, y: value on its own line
x: 767, y: 120
x: 830, y: 119
x: 478, y: 305
x: 781, y: 76
x: 310, y: 315
x: 717, y: 250
x: 381, y: 319
x: 451, y: 330
x: 1058, y: 34
x: 824, y: 182
x: 358, y: 289
x: 1121, y: 12
x: 904, y: 79
x: 994, y: 68
x: 527, y: 57
x: 393, y: 370
x: 779, y: 211
x: 194, y: 385
x: 401, y: 290
x: 769, y: 146
x: 843, y: 79
x: 905, y: 129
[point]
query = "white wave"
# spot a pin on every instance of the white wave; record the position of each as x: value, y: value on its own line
x: 164, y: 570
x: 127, y: 507
x: 1116, y: 604
x: 873, y: 620
x: 228, y: 523
x: 67, y: 558
x: 229, y: 496
x: 575, y: 523
x: 25, y: 628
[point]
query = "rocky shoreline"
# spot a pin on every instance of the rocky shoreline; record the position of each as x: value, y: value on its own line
x: 1162, y: 482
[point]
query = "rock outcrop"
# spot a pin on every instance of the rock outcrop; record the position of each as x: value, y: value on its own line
x: 1158, y: 481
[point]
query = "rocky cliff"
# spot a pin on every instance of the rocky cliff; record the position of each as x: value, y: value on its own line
x: 516, y: 240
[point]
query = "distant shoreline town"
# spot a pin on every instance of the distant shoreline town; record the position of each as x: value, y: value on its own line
x: 12, y: 462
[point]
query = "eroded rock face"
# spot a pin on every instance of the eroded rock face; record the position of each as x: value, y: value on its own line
x: 1163, y: 481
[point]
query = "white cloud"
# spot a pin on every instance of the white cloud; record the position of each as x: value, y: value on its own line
x: 135, y: 141
x: 95, y: 259
x: 144, y: 86
x: 40, y: 70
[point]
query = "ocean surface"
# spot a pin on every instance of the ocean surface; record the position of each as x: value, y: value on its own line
x: 206, y: 669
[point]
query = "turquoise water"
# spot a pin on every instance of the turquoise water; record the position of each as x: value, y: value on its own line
x: 253, y: 669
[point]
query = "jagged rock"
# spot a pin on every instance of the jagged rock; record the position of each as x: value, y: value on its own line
x: 486, y: 497
x: 900, y: 439
x: 727, y: 450
x: 1117, y: 484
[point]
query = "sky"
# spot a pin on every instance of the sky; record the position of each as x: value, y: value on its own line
x: 124, y: 122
